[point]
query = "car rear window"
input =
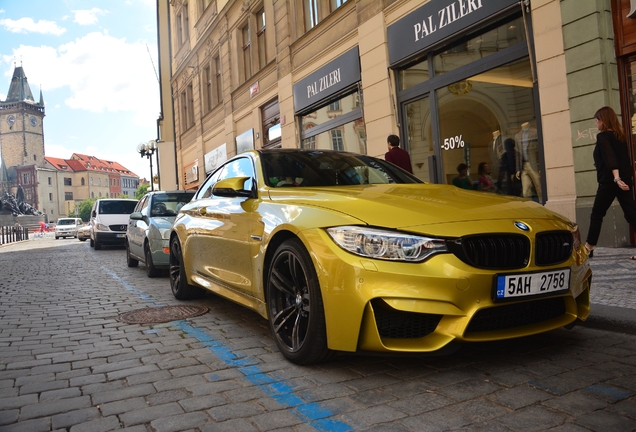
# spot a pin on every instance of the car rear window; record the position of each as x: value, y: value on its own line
x: 117, y: 207
x: 169, y: 203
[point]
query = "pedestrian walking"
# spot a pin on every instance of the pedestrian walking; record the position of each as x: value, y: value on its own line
x: 396, y: 155
x: 613, y: 173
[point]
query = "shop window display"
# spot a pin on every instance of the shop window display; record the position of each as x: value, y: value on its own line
x: 492, y: 120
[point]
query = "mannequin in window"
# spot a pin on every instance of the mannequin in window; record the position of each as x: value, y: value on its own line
x: 496, y: 151
x: 528, y: 163
x: 497, y: 144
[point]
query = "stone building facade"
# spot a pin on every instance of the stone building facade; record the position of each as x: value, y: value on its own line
x: 21, y: 135
x: 53, y: 186
x: 456, y: 80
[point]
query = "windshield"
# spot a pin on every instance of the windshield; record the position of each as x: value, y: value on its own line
x: 169, y: 203
x: 117, y: 207
x: 66, y: 222
x: 329, y: 168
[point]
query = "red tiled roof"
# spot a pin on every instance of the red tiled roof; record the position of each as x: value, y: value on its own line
x: 58, y: 163
x: 102, y: 165
x: 81, y: 162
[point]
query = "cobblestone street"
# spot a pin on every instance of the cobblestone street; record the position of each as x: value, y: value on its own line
x: 68, y: 364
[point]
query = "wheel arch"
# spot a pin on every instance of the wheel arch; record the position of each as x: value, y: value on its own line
x: 279, y: 238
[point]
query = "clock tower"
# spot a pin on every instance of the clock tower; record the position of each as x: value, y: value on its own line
x: 21, y: 126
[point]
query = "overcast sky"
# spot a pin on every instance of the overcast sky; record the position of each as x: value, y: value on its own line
x: 95, y: 62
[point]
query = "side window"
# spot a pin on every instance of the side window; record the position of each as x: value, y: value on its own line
x: 139, y: 204
x: 144, y: 204
x: 205, y: 191
x: 239, y: 168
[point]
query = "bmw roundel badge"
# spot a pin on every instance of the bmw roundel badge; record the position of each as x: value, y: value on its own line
x: 522, y: 226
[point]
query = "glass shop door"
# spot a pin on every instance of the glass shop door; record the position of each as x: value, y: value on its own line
x: 420, y: 138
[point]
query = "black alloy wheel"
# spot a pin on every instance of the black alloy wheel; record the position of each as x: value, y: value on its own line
x: 181, y: 289
x: 294, y: 305
x: 130, y: 261
x: 151, y: 270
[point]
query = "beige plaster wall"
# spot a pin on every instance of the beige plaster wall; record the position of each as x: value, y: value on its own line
x: 555, y: 111
x: 379, y: 116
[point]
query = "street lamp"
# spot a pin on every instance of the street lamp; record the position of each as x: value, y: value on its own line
x: 147, y: 150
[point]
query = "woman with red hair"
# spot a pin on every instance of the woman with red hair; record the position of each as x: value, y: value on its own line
x: 614, y: 174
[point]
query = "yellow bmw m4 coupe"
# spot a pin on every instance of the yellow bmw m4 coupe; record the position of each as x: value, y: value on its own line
x: 348, y: 253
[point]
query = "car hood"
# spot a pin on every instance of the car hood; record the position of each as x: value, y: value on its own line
x: 412, y: 205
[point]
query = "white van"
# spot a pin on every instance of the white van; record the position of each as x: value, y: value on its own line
x: 109, y: 221
x: 67, y: 227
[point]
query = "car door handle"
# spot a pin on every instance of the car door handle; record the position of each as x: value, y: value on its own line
x: 203, y: 211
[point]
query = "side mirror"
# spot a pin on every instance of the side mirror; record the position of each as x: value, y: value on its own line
x: 232, y: 187
x: 136, y: 216
x: 93, y: 213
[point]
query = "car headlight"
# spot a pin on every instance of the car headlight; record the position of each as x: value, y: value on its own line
x: 165, y: 233
x: 386, y: 245
x: 102, y: 227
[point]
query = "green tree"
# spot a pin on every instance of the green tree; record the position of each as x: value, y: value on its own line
x: 84, y: 208
x: 141, y: 191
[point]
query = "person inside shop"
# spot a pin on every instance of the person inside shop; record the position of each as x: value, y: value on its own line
x: 528, y: 166
x: 485, y: 181
x: 508, y: 168
x: 613, y: 174
x: 396, y: 155
x: 463, y: 181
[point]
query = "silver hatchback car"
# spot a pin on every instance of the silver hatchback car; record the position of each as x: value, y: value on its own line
x: 148, y: 233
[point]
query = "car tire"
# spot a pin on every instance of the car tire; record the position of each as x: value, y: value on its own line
x: 98, y: 245
x: 56, y: 238
x: 151, y: 270
x: 130, y: 261
x: 297, y: 326
x: 181, y: 289
x: 82, y: 239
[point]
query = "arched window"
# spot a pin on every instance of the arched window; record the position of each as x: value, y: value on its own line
x: 83, y: 182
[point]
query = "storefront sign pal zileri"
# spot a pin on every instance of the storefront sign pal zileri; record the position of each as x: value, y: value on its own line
x: 436, y: 21
x: 328, y: 80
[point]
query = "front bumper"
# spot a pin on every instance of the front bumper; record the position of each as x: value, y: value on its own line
x: 110, y: 238
x: 159, y: 248
x: 387, y: 306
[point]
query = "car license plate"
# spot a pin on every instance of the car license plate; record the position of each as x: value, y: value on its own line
x: 121, y: 235
x: 530, y: 284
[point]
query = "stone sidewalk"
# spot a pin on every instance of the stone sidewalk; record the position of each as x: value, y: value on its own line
x: 614, y: 277
x: 613, y: 290
x: 67, y: 364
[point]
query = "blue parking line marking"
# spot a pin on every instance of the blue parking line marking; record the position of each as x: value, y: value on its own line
x: 312, y: 413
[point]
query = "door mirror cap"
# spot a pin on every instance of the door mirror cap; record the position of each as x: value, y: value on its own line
x: 232, y: 187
